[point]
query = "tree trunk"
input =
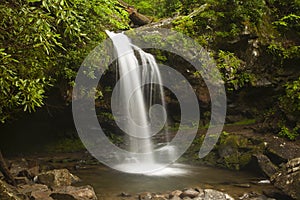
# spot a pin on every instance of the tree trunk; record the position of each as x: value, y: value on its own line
x: 5, y: 171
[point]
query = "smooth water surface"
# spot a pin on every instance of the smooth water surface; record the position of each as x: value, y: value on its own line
x: 108, y: 183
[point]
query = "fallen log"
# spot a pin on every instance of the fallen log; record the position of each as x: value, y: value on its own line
x: 136, y: 18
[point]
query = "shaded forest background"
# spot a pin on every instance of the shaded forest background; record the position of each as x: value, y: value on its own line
x: 255, y: 43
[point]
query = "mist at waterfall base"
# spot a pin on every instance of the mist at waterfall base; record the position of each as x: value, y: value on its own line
x: 140, y: 111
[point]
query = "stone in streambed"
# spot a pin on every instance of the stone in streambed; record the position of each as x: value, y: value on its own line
x: 159, y: 197
x: 189, y: 193
x: 36, y: 191
x: 57, y: 177
x: 41, y: 195
x: 145, y: 196
x: 74, y: 193
x: 124, y: 194
x: 216, y: 195
x: 175, y: 193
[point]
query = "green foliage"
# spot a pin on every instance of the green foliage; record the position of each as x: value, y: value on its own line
x: 289, y: 105
x: 245, y: 122
x: 291, y: 100
x: 220, y: 24
x: 282, y: 53
x: 45, y: 41
x: 290, y: 134
x: 288, y: 22
x: 287, y: 112
x: 185, y: 25
x: 224, y: 18
x: 156, y: 8
x: 232, y: 70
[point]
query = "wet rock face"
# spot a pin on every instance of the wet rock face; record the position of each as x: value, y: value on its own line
x: 288, y: 178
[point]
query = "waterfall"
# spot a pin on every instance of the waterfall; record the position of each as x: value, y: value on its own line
x: 138, y: 99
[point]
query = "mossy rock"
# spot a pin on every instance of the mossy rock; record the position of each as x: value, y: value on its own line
x: 245, y: 159
x: 232, y: 161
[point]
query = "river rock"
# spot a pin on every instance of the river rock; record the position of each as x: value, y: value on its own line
x: 29, y: 188
x: 159, y: 197
x: 29, y: 173
x: 189, y: 193
x: 255, y: 196
x: 266, y: 166
x: 175, y: 198
x: 175, y: 193
x: 145, y: 196
x: 288, y: 178
x: 124, y: 194
x: 41, y: 195
x: 8, y: 192
x: 57, y: 177
x: 216, y: 195
x: 74, y: 193
x: 16, y: 167
x: 36, y: 191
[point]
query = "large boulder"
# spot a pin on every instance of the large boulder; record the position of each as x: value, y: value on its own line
x: 56, y: 178
x: 74, y: 193
x: 288, y: 178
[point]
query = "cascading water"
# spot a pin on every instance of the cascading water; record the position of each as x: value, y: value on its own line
x: 139, y: 106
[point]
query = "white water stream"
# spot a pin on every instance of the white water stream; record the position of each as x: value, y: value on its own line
x: 138, y: 101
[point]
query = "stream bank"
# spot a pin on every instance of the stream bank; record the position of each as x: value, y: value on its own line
x: 40, y: 177
x: 242, y: 164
